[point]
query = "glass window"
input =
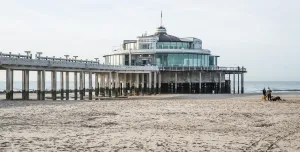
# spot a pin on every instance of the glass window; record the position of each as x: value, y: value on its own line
x: 199, y: 60
x: 195, y: 60
x: 185, y: 59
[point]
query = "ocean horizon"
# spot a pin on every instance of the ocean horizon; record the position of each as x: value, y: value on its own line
x: 250, y: 86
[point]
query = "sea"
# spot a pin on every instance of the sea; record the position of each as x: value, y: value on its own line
x: 250, y: 86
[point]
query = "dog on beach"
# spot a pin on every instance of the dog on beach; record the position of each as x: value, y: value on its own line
x: 264, y: 98
x: 277, y: 98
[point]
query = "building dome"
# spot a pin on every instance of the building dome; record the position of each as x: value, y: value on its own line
x: 161, y: 32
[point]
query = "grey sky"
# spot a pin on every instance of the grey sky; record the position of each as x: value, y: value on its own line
x: 261, y: 35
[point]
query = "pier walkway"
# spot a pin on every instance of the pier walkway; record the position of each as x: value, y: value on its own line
x: 110, y: 80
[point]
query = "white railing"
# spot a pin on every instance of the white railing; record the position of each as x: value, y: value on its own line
x: 202, y: 68
x: 12, y: 61
x: 153, y: 51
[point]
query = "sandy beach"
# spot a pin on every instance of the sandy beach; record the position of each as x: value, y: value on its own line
x: 154, y: 123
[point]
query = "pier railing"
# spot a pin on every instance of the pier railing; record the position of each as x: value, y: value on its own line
x: 52, y: 62
x: 202, y: 68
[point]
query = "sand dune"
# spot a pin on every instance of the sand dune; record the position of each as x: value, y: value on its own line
x: 176, y: 123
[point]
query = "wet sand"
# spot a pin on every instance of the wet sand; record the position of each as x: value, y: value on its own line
x: 153, y: 123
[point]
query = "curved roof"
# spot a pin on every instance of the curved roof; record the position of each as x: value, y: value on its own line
x: 164, y: 37
x: 161, y: 32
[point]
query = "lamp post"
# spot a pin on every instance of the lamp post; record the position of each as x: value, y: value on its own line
x: 27, y: 52
x: 75, y: 57
x: 39, y: 54
x: 96, y: 59
x: 66, y: 57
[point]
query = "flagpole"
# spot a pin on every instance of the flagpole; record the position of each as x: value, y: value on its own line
x: 161, y: 18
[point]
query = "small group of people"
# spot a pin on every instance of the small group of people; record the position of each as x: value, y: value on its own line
x: 267, y: 94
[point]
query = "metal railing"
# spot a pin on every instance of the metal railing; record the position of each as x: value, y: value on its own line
x: 26, y: 60
x: 201, y: 68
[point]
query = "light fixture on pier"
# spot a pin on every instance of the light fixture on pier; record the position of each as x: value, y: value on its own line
x: 39, y: 54
x: 27, y: 52
x: 66, y: 57
x: 75, y: 57
x: 96, y: 59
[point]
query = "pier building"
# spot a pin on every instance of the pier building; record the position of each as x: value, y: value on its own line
x: 150, y: 64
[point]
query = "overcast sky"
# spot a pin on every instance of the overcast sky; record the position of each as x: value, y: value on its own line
x: 262, y: 35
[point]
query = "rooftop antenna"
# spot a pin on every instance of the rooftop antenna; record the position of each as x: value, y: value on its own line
x: 161, y: 18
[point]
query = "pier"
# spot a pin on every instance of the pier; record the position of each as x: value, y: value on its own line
x: 113, y: 80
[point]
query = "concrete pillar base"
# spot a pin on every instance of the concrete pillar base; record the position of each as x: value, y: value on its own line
x: 53, y: 94
x: 75, y: 94
x: 125, y: 91
x: 109, y: 92
x: 42, y: 95
x: 102, y: 93
x: 131, y: 90
x: 90, y: 94
x: 67, y: 94
x: 97, y: 92
x: 23, y: 95
x: 116, y: 92
x: 11, y: 95
x: 113, y: 91
x: 159, y: 90
x: 61, y: 94
x: 7, y: 95
x: 26, y: 95
x: 81, y: 94
x: 38, y: 93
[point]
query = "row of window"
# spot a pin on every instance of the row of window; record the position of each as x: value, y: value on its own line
x: 182, y: 60
x: 164, y: 59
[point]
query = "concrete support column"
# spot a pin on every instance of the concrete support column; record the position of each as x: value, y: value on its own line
x: 143, y: 84
x: 229, y: 83
x: 130, y: 83
x: 83, y: 81
x: 117, y: 84
x: 23, y: 85
x: 26, y: 84
x: 11, y: 92
x: 200, y: 82
x: 125, y: 85
x: 159, y: 83
x: 137, y: 84
x: 106, y: 84
x: 190, y: 83
x: 90, y: 86
x: 155, y: 82
x: 110, y: 84
x: 150, y: 83
x: 67, y: 86
x: 43, y: 86
x: 238, y: 84
x: 75, y: 86
x: 81, y: 84
x: 242, y: 83
x: 9, y: 84
x: 53, y: 82
x: 61, y: 85
x: 102, y: 83
x: 233, y: 83
x: 176, y: 77
x: 220, y: 83
x: 96, y: 84
x: 38, y: 90
x: 7, y: 91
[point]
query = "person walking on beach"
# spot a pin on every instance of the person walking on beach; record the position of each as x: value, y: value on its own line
x: 269, y: 93
x: 264, y: 93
